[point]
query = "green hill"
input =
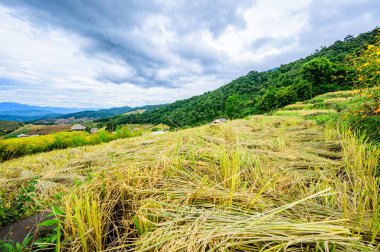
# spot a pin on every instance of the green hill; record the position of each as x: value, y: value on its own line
x: 326, y: 70
x: 107, y: 112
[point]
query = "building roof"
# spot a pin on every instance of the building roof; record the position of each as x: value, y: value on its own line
x: 78, y: 127
x: 220, y: 120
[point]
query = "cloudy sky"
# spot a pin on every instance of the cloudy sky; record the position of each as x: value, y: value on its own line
x: 96, y: 53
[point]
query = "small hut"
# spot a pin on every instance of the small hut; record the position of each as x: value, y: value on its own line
x: 219, y: 120
x: 78, y: 127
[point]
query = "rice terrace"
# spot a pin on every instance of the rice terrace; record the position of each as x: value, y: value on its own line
x: 285, y: 159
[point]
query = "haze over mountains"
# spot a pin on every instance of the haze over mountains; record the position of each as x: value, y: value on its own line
x: 14, y: 107
x: 22, y: 112
x: 12, y: 111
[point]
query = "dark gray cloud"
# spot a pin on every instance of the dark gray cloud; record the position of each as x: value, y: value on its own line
x: 121, y: 29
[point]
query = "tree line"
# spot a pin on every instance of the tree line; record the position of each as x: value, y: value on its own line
x: 326, y: 70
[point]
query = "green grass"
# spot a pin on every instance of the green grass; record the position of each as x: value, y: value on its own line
x: 332, y: 95
x: 298, y: 106
x: 303, y: 112
x: 286, y: 113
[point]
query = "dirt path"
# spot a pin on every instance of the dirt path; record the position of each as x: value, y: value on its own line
x: 18, y: 231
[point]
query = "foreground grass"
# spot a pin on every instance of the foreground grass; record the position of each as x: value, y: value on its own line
x: 264, y: 183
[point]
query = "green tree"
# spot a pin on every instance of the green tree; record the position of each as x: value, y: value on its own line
x: 268, y: 100
x: 303, y: 90
x: 318, y: 72
x: 285, y: 96
x: 234, y: 106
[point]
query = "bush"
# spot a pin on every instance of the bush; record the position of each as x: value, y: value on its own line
x: 363, y: 114
x: 324, y: 118
x: 18, y: 147
x: 17, y: 203
x: 123, y: 132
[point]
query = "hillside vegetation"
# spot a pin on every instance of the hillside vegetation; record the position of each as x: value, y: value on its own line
x: 329, y: 69
x: 263, y: 183
x: 357, y: 110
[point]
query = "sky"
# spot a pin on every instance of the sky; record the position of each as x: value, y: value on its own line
x: 98, y: 54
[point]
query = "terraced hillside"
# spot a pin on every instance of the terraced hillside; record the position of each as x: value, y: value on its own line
x: 264, y: 183
x: 322, y: 104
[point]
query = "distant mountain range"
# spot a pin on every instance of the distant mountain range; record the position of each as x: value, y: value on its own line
x: 11, y: 111
x: 107, y: 112
x: 13, y: 107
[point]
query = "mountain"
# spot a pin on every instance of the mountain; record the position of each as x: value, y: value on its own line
x: 96, y: 114
x: 12, y: 107
x: 11, y: 111
x: 18, y: 112
x: 18, y: 118
x: 328, y: 69
x: 27, y: 113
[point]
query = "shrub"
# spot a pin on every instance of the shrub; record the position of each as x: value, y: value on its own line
x: 18, y: 147
x: 18, y: 203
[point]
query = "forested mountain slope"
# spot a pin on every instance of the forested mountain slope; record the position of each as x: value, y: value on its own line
x: 326, y: 70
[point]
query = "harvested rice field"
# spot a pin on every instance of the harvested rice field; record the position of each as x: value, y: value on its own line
x: 303, y: 112
x: 264, y: 183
